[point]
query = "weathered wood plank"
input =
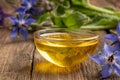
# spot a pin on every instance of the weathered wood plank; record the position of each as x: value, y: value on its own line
x: 106, y: 3
x: 101, y: 3
x: 15, y: 57
x: 115, y: 3
x: 88, y: 70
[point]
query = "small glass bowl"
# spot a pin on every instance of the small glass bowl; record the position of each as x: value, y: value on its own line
x: 65, y: 47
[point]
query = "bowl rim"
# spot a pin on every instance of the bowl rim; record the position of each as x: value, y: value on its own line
x: 94, y: 37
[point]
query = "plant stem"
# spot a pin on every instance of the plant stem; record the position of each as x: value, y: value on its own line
x: 96, y: 27
x: 100, y: 9
x: 35, y: 24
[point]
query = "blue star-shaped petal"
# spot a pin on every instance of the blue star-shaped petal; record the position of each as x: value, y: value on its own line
x: 28, y: 6
x: 20, y: 24
x: 2, y: 16
x: 115, y: 38
x: 109, y: 61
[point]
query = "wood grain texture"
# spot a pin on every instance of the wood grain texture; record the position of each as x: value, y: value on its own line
x: 115, y: 3
x: 106, y: 3
x: 15, y: 57
x: 16, y: 60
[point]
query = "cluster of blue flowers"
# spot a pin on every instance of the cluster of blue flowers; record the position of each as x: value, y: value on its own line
x: 23, y: 18
x: 109, y: 60
x: 28, y: 7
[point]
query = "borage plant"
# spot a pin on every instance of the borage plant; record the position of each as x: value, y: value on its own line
x: 80, y: 14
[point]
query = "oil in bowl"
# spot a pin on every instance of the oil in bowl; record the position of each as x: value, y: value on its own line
x: 65, y: 48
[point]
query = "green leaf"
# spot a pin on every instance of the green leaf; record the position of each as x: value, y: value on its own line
x: 75, y: 19
x: 58, y: 21
x: 59, y: 11
x: 80, y: 2
x: 107, y: 22
x: 44, y: 17
x: 101, y: 24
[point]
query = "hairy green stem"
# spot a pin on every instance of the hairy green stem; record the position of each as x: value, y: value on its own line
x: 94, y: 27
x: 98, y: 8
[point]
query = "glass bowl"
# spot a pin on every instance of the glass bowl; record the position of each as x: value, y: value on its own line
x: 65, y: 47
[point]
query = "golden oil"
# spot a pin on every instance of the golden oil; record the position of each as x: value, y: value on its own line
x: 65, y: 49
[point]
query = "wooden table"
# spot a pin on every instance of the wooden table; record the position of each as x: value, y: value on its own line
x: 19, y: 59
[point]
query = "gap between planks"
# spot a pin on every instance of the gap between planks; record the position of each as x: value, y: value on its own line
x: 32, y: 64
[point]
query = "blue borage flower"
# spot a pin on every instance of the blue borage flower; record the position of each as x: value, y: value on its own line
x: 2, y: 16
x: 108, y: 60
x: 28, y: 6
x: 115, y: 38
x: 19, y: 25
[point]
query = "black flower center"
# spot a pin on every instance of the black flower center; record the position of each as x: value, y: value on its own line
x: 110, y: 59
x: 21, y: 23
